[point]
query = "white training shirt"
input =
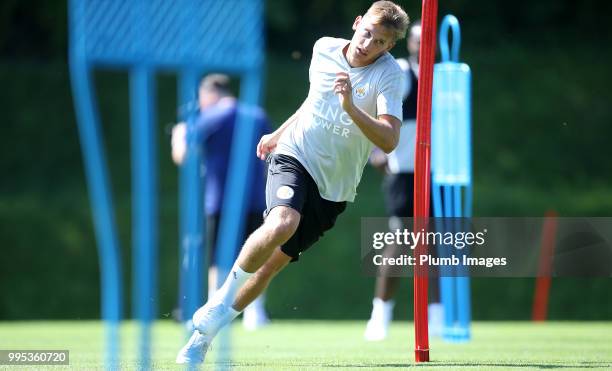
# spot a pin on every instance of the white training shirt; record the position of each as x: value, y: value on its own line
x: 324, y: 139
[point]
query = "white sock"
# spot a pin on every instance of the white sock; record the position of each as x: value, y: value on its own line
x: 211, y: 292
x: 435, y: 312
x: 382, y: 309
x: 233, y: 313
x: 234, y: 281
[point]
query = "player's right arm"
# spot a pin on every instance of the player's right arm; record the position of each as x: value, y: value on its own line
x: 268, y: 142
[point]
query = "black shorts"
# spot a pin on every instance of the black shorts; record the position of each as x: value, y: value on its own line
x: 289, y: 184
x: 398, y: 191
x: 253, y: 221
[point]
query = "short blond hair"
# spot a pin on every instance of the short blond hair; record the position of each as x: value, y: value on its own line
x: 390, y: 15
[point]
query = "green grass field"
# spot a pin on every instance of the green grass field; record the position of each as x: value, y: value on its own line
x: 314, y: 345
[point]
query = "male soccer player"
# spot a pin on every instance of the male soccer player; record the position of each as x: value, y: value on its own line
x: 316, y: 159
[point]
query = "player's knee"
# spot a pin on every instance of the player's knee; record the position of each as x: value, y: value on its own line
x: 282, y: 222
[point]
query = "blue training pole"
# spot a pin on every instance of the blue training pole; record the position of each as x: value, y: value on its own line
x: 144, y: 201
x: 192, y: 223
x: 100, y: 194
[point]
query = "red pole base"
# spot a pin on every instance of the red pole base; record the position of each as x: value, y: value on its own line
x: 421, y: 355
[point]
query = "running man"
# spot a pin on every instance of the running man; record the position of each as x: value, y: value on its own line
x: 398, y: 192
x: 316, y: 159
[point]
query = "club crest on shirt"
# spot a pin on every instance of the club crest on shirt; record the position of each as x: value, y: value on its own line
x: 360, y: 91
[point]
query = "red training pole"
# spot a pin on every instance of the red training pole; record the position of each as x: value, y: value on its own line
x: 542, y: 290
x: 422, y: 173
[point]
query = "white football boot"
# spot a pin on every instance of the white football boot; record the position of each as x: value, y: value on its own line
x: 207, y: 321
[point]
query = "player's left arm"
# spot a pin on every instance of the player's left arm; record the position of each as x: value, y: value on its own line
x: 383, y: 130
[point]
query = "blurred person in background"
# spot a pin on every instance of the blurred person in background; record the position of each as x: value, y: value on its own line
x: 398, y: 192
x: 214, y: 126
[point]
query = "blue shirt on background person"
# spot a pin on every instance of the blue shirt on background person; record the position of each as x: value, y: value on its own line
x: 214, y: 125
x: 215, y: 128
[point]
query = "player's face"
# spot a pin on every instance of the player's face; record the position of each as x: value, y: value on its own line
x: 206, y: 98
x: 369, y: 42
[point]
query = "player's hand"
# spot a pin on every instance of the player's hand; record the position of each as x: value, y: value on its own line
x: 266, y: 144
x: 344, y: 90
x: 179, y: 142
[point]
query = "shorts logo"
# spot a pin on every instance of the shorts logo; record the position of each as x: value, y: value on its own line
x: 284, y: 192
x: 361, y: 91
